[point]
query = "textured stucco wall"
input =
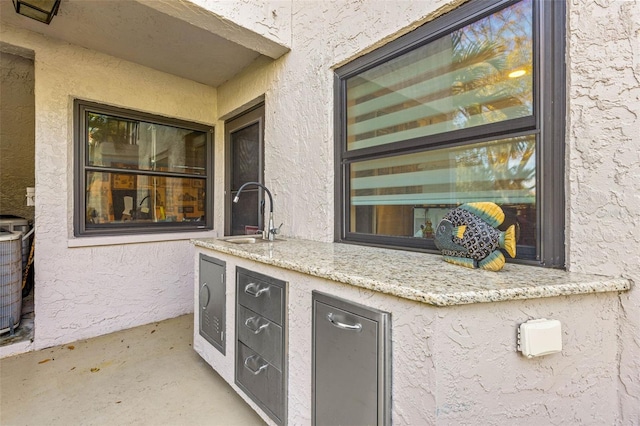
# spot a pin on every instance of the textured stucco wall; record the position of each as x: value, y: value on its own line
x: 603, y: 146
x: 17, y: 134
x: 602, y: 141
x: 604, y: 164
x: 87, y: 291
x: 481, y: 380
x: 262, y: 26
x: 270, y: 19
x: 460, y: 364
x: 298, y: 90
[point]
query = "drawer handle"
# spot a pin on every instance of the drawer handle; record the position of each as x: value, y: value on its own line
x: 352, y: 327
x: 255, y: 359
x: 252, y: 290
x: 254, y: 325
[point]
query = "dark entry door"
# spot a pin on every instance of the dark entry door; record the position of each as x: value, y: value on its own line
x: 244, y: 137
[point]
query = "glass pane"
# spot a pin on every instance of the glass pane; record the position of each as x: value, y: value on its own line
x: 244, y: 213
x: 118, y: 198
x: 407, y: 195
x: 117, y: 142
x: 479, y: 74
x: 46, y: 5
x: 245, y: 146
x: 36, y: 14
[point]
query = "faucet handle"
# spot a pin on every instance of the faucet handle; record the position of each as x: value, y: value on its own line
x: 277, y: 230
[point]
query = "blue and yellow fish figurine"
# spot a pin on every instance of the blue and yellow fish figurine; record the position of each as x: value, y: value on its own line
x: 467, y: 236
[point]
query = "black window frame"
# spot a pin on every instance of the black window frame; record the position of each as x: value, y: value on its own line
x: 548, y: 121
x: 81, y: 109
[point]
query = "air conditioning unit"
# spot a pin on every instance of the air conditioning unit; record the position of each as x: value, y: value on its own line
x: 10, y: 280
x: 10, y: 222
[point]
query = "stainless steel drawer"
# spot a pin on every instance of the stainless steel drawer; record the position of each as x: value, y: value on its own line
x: 261, y: 381
x: 261, y: 335
x: 261, y: 294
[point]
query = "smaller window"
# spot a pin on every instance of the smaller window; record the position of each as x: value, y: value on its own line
x: 140, y: 173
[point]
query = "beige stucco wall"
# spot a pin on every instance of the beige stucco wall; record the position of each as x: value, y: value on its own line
x: 269, y: 19
x: 91, y: 290
x: 603, y: 162
x: 86, y: 290
x: 298, y: 91
x: 17, y: 129
x: 602, y: 140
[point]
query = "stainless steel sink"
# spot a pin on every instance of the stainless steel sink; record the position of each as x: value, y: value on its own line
x: 246, y: 239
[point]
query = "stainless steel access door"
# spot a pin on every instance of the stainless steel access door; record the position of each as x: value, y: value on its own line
x: 212, y: 301
x: 351, y: 363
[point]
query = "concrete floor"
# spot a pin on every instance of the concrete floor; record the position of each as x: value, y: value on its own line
x: 147, y: 375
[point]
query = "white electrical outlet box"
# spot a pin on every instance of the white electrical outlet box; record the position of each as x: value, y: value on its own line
x: 540, y: 337
x: 31, y: 196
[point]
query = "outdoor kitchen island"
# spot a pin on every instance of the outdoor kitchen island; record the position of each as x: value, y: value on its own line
x: 453, y: 348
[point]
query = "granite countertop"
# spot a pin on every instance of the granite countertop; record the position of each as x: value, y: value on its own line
x: 415, y: 276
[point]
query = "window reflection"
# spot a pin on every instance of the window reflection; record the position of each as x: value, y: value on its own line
x: 479, y: 74
x: 117, y: 142
x: 120, y: 197
x: 404, y: 195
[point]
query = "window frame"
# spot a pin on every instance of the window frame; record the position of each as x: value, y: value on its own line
x: 81, y: 108
x: 547, y: 122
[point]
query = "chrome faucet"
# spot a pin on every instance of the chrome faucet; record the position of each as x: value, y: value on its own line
x: 270, y: 232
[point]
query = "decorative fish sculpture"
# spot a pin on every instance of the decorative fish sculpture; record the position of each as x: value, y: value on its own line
x: 467, y: 236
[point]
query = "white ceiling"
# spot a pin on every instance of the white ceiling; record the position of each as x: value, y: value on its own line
x: 135, y: 32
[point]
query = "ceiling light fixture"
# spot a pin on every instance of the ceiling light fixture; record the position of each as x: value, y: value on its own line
x: 40, y: 10
x: 517, y: 73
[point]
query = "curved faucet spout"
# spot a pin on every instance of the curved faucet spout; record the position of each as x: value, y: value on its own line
x: 271, y: 230
x: 237, y: 197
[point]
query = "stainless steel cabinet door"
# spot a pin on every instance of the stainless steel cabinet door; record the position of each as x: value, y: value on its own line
x: 351, y: 364
x: 212, y: 301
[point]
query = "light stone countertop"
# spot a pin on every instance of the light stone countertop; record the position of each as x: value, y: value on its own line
x: 422, y: 277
